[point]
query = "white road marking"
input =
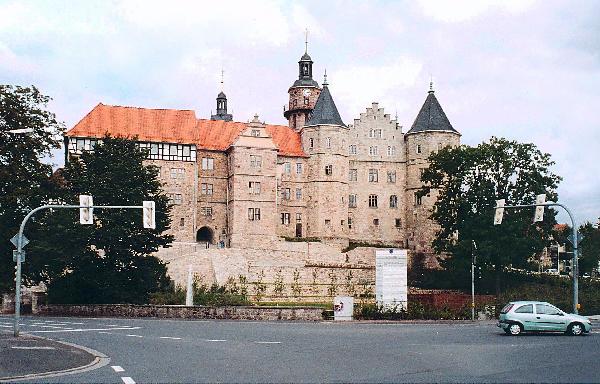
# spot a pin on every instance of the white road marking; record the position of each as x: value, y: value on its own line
x: 134, y: 336
x: 170, y: 338
x: 117, y: 368
x: 127, y: 380
x: 6, y: 326
x: 44, y: 348
x: 85, y: 330
x: 268, y: 342
x: 106, y: 333
x: 218, y: 340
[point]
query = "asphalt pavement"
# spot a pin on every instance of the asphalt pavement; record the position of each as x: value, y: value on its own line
x: 194, y: 351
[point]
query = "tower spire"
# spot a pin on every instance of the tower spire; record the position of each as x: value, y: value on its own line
x: 325, y: 83
x: 222, y: 76
x: 306, y: 40
x: 431, y: 84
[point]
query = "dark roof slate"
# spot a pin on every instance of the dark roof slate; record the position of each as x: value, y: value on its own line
x: 431, y: 117
x: 325, y: 111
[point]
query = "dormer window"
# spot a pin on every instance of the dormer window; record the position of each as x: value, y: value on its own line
x: 255, y: 132
x: 328, y: 142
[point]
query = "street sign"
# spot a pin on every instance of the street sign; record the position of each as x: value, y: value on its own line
x: 16, y: 253
x: 86, y: 215
x: 15, y: 241
x: 149, y: 214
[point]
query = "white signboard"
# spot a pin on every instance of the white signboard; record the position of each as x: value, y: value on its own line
x: 391, y: 284
x: 343, y: 308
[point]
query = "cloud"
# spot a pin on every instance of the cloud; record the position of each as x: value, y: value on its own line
x: 462, y: 10
x: 356, y: 87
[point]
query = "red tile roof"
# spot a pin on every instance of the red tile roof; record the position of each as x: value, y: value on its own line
x: 175, y: 126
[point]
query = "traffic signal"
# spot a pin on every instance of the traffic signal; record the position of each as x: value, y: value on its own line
x: 86, y: 215
x: 149, y: 214
x: 539, y: 209
x: 499, y: 212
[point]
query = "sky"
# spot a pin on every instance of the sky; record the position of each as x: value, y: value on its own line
x: 525, y: 70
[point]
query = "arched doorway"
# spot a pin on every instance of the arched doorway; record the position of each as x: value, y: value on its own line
x: 204, y: 235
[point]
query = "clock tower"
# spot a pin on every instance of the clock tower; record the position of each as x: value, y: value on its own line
x: 303, y: 95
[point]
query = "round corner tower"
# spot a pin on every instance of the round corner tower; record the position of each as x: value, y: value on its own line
x: 303, y: 95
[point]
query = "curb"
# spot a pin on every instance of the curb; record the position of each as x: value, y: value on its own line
x: 100, y: 360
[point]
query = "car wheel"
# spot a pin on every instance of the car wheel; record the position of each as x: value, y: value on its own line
x: 515, y: 329
x: 575, y: 329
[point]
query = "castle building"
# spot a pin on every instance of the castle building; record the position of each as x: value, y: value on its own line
x: 238, y: 183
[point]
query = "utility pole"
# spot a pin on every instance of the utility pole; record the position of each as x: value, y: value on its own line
x: 473, y: 257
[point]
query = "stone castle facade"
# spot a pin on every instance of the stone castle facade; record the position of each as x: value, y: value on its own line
x: 248, y: 185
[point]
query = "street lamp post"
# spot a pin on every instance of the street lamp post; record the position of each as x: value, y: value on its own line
x: 473, y: 249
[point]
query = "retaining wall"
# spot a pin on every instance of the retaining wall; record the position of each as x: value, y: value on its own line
x: 182, y: 312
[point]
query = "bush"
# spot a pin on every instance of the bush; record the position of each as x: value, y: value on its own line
x: 415, y: 311
x: 214, y: 295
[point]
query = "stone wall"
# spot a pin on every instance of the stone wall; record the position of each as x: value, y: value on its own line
x: 182, y: 312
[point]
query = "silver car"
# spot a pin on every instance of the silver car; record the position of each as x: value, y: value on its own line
x: 538, y: 316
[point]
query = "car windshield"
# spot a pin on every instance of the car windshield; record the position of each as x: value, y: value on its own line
x: 506, y: 308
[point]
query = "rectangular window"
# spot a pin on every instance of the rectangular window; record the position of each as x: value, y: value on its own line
x: 327, y: 222
x: 328, y: 170
x: 328, y: 142
x: 253, y: 214
x: 352, y: 201
x: 255, y: 132
x: 373, y: 151
x: 398, y: 223
x: 287, y: 168
x: 206, y: 211
x: 391, y: 176
x: 311, y: 143
x: 378, y: 134
x: 421, y: 172
x: 285, y: 218
x: 177, y: 173
x: 255, y: 161
x: 286, y: 194
x: 298, y: 193
x: 372, y: 201
x: 418, y: 148
x: 375, y: 221
x: 393, y: 201
x: 206, y: 189
x: 352, y: 149
x: 254, y: 187
x: 418, y: 199
x: 207, y: 163
x: 391, y: 150
x: 298, y: 168
x: 353, y: 175
x: 298, y: 217
x: 350, y: 223
x: 182, y: 222
x: 373, y: 176
x: 175, y: 198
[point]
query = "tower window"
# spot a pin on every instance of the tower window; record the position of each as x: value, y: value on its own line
x: 182, y: 222
x: 352, y: 149
x: 391, y: 176
x: 253, y: 214
x: 398, y: 223
x: 255, y: 132
x: 352, y: 201
x: 328, y: 142
x: 418, y: 148
x: 305, y: 100
x: 311, y: 143
x: 329, y: 170
x: 418, y: 199
x: 298, y: 193
x: 353, y: 175
x: 376, y: 222
x: 393, y: 201
x: 349, y: 223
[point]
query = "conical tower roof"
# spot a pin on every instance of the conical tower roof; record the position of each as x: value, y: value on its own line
x: 325, y: 111
x: 431, y: 117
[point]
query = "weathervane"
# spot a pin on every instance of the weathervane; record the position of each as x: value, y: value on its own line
x: 306, y: 40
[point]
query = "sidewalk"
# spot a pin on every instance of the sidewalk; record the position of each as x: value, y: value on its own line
x: 34, y: 357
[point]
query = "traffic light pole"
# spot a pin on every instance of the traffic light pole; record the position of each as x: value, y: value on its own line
x: 21, y: 245
x: 575, y: 268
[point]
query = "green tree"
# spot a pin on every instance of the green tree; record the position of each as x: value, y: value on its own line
x: 589, y: 247
x: 469, y: 180
x: 109, y: 261
x: 24, y: 175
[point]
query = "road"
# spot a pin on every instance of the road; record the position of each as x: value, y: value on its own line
x: 151, y: 350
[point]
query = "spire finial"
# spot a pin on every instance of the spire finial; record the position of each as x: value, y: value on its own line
x: 431, y: 84
x: 222, y: 76
x: 325, y: 78
x: 306, y: 40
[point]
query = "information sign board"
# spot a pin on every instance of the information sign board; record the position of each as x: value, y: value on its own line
x: 391, y: 283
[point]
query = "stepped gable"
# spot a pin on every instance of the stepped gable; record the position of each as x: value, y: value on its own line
x: 325, y: 112
x: 431, y: 117
x: 175, y: 126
